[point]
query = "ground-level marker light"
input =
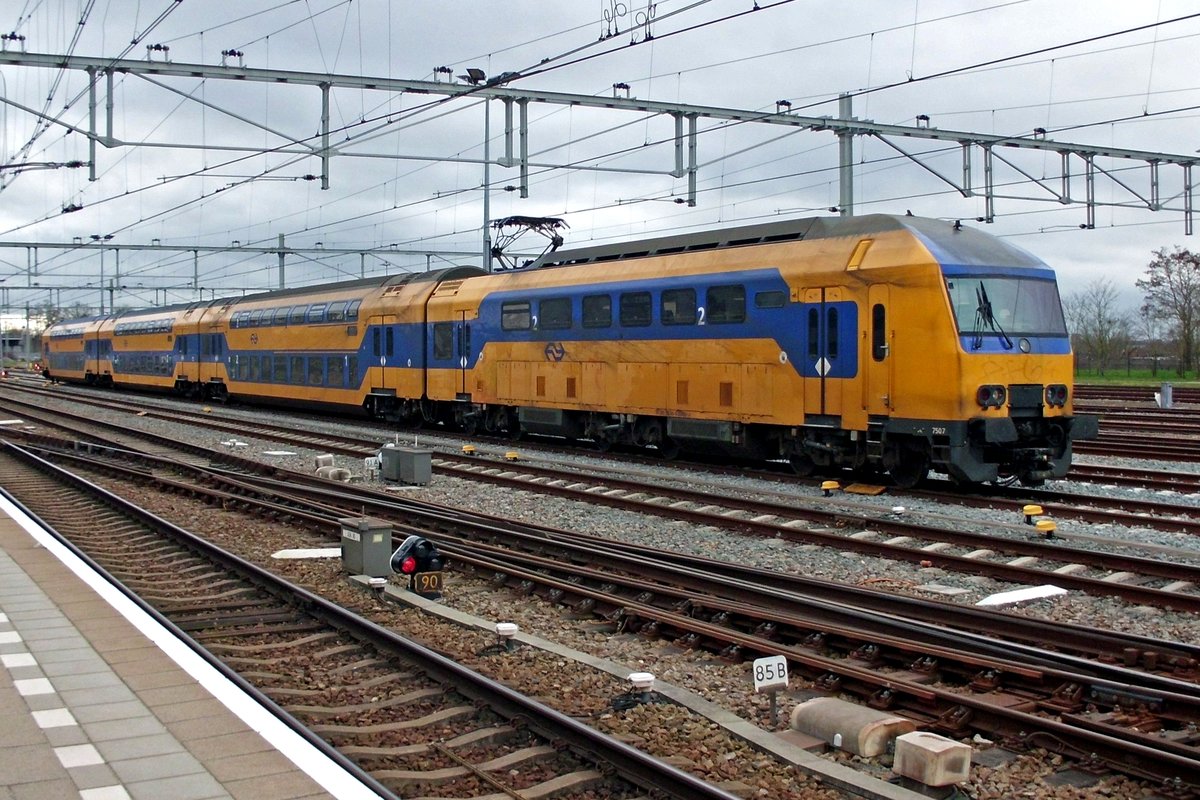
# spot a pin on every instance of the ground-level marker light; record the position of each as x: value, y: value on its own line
x: 468, y: 449
x: 512, y: 455
x: 1046, y: 527
x: 642, y: 682
x: 505, y: 631
x: 1031, y: 511
x: 829, y: 487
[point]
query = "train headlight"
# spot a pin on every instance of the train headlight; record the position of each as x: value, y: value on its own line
x: 1056, y: 395
x: 991, y: 396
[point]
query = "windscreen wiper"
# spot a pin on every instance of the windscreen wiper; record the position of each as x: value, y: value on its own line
x: 984, y: 315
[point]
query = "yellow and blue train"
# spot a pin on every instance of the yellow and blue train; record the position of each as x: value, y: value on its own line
x: 886, y: 343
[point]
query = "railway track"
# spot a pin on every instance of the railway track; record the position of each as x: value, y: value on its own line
x: 890, y: 662
x: 1018, y: 557
x: 1066, y: 505
x: 406, y: 719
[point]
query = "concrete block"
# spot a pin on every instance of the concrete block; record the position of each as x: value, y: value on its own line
x: 932, y: 759
x: 324, y: 460
x: 856, y: 729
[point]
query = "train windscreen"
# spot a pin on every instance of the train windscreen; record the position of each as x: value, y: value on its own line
x: 1006, y: 305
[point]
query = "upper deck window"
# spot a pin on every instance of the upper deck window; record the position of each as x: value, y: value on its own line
x: 635, y: 309
x: 678, y: 307
x: 597, y: 311
x: 515, y: 316
x: 554, y: 313
x: 726, y: 304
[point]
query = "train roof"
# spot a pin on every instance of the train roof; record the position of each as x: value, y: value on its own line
x: 949, y: 242
x: 448, y: 273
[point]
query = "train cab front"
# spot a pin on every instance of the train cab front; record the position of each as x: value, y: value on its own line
x: 1016, y: 359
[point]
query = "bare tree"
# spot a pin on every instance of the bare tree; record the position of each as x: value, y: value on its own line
x: 1099, y: 328
x: 1172, y: 287
x: 1151, y: 332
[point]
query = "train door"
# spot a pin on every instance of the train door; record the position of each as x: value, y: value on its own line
x: 828, y: 352
x: 383, y: 349
x: 211, y: 353
x: 877, y: 387
x: 91, y: 356
x: 462, y: 352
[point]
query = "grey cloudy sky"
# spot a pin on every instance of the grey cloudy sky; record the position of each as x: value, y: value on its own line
x: 1137, y: 90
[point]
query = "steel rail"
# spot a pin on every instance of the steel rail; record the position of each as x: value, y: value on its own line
x: 633, y: 764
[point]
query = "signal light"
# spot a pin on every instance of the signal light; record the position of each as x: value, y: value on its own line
x: 991, y: 396
x: 421, y: 561
x: 1056, y: 395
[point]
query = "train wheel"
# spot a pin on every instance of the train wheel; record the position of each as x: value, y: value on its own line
x: 910, y: 470
x: 668, y: 450
x: 802, y: 465
x: 907, y: 463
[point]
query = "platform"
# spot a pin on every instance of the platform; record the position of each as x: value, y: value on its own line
x: 100, y: 702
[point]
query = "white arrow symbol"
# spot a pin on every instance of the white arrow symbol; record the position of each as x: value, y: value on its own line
x: 823, y: 367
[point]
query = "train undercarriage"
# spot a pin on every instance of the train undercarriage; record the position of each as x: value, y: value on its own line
x: 1029, y: 450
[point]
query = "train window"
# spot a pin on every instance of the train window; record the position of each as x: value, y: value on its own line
x: 831, y: 332
x: 352, y: 369
x: 279, y: 371
x: 252, y: 372
x: 316, y: 371
x: 515, y: 316
x: 281, y: 315
x: 297, y: 369
x: 266, y: 368
x: 678, y: 307
x: 443, y: 340
x: 316, y: 312
x: 878, y: 332
x: 297, y: 316
x: 726, y: 304
x: 597, y: 311
x: 352, y: 310
x: 635, y: 309
x: 336, y: 312
x: 391, y: 341
x: 554, y: 313
x: 773, y: 299
x: 336, y: 371
x: 814, y: 334
x: 255, y: 319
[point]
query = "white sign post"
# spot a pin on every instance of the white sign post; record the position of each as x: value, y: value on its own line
x: 771, y: 675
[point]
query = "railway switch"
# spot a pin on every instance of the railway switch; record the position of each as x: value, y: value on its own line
x: 420, y: 561
x: 366, y: 545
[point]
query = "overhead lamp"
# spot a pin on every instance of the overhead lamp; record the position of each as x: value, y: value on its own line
x: 922, y: 120
x: 474, y: 76
x: 442, y: 71
x: 783, y: 106
x: 620, y: 87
